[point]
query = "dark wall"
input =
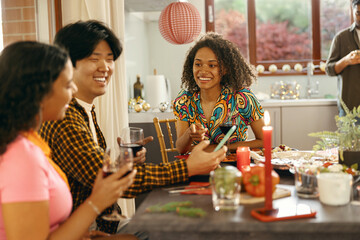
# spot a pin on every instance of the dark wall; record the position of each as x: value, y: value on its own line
x: 153, y: 154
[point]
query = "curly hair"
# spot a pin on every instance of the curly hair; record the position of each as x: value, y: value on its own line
x: 238, y: 72
x: 27, y: 71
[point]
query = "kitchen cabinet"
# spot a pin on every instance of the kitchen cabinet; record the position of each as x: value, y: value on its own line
x: 298, y: 122
x: 293, y: 120
x: 275, y: 122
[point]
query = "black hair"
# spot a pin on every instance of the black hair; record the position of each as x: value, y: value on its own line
x: 27, y: 71
x: 238, y: 72
x: 81, y: 38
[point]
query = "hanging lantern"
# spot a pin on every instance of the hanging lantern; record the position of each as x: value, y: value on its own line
x: 180, y: 23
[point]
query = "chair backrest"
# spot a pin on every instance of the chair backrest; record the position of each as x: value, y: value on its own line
x: 163, y: 148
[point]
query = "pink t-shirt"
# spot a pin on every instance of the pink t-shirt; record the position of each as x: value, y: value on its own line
x: 27, y: 176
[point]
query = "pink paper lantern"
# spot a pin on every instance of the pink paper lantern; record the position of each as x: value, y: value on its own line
x: 180, y: 23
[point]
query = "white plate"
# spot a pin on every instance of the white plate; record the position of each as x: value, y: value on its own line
x: 285, y: 160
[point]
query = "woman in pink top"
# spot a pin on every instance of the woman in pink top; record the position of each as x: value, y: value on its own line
x: 36, y: 85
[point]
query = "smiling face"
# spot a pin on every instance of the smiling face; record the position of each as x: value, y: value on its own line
x: 56, y: 102
x: 92, y: 74
x: 206, y: 69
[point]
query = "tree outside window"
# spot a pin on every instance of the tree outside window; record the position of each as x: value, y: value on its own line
x: 285, y: 30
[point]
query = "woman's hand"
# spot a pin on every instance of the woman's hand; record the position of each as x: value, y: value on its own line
x: 107, y: 190
x: 197, y: 132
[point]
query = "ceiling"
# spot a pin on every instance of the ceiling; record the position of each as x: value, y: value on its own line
x: 146, y: 5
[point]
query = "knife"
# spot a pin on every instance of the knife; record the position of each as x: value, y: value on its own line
x: 189, y: 189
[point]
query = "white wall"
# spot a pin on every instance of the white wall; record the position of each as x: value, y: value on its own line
x: 136, y: 49
x: 146, y: 49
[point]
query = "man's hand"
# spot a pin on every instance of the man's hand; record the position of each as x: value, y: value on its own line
x: 140, y: 155
x: 353, y: 57
x: 202, y: 162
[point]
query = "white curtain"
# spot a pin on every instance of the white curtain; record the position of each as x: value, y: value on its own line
x: 111, y: 108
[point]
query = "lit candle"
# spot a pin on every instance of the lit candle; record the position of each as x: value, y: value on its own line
x: 242, y: 157
x: 267, y: 132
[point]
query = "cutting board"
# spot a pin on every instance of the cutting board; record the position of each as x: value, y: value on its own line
x: 246, y: 198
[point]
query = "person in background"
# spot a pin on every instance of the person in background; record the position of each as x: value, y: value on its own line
x: 344, y: 60
x: 215, y: 83
x: 77, y: 142
x: 35, y: 202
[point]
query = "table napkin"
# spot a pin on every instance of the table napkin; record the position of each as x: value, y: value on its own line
x: 205, y: 191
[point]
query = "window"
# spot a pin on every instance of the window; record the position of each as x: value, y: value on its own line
x: 335, y: 15
x: 281, y: 31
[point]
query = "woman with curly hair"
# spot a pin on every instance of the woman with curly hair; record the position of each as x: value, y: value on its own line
x: 215, y: 81
x: 35, y: 201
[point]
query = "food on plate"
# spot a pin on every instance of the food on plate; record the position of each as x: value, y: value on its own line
x: 230, y: 158
x: 254, y: 180
x: 315, y: 167
x: 282, y: 148
x: 335, y: 167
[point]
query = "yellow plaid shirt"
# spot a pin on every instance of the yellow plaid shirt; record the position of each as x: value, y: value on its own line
x: 76, y: 153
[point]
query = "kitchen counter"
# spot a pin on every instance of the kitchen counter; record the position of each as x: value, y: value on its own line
x: 298, y: 102
x: 146, y: 117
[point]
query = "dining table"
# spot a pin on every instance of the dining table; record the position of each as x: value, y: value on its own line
x: 330, y: 222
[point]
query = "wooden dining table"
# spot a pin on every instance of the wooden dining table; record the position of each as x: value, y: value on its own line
x: 340, y: 222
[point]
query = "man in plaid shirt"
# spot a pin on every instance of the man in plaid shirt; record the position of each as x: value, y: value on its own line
x: 77, y: 142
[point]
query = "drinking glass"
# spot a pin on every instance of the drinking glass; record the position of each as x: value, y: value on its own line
x: 225, y: 185
x: 132, y: 137
x: 227, y: 124
x: 114, y: 159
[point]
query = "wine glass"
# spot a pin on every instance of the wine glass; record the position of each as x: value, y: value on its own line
x: 228, y: 122
x: 114, y: 159
x: 132, y: 137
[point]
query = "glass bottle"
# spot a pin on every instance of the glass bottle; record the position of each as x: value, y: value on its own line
x: 138, y: 88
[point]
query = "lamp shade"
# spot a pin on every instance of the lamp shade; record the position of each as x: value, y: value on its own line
x: 180, y: 23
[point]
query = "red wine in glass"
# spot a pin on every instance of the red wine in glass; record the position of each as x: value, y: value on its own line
x: 225, y: 127
x: 106, y: 174
x: 134, y: 146
x: 114, y: 159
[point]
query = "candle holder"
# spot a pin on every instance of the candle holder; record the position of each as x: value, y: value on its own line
x: 285, y: 212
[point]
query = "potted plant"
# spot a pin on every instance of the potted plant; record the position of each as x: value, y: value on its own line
x: 346, y: 137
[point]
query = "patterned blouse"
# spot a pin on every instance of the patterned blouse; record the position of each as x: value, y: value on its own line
x: 242, y: 106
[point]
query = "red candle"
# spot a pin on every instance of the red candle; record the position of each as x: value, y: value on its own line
x: 243, y: 158
x: 267, y: 132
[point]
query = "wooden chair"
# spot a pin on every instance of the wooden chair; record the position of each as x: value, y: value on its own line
x: 163, y: 149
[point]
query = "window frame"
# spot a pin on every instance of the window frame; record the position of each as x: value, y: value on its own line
x: 251, y: 17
